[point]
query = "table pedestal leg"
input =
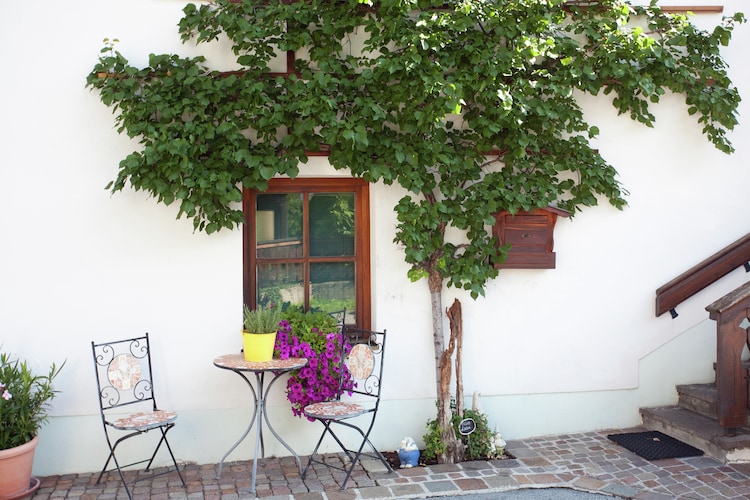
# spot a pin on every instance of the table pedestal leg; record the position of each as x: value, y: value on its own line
x: 259, y: 412
x: 258, y: 427
x: 276, y: 435
x: 247, y: 431
x: 261, y: 415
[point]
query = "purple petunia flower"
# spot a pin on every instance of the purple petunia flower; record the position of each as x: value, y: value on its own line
x: 324, y: 377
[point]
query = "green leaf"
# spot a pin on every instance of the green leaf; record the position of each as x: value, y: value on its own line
x: 431, y: 93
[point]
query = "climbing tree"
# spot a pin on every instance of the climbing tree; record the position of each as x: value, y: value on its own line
x: 469, y: 105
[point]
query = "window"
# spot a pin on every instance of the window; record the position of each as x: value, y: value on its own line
x: 307, y: 242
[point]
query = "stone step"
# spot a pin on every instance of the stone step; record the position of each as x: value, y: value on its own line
x: 699, y: 398
x: 699, y: 431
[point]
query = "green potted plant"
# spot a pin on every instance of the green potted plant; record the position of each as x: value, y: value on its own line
x: 24, y: 402
x: 259, y: 332
x: 313, y: 335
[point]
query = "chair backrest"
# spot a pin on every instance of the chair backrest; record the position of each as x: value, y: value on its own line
x: 365, y: 360
x: 340, y: 317
x: 123, y: 372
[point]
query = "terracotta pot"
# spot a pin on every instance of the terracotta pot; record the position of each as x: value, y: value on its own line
x: 15, y: 469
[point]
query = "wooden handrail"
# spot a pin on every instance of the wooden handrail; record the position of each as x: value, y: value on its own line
x: 695, y: 9
x: 701, y: 275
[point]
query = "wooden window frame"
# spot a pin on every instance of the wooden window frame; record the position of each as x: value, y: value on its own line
x: 361, y: 190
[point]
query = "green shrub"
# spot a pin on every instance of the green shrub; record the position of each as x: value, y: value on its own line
x: 25, y: 399
x: 434, y: 445
x: 307, y: 326
x: 478, y: 445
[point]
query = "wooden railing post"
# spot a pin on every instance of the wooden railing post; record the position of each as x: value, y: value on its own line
x: 730, y: 313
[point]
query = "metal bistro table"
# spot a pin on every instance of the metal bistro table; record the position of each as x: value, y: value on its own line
x: 277, y: 367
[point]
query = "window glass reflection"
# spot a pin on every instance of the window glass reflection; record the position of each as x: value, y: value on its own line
x: 331, y: 224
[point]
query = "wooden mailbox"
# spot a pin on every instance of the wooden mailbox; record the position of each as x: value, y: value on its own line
x: 530, y: 235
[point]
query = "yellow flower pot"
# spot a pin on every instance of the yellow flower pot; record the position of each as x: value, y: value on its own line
x: 258, y: 346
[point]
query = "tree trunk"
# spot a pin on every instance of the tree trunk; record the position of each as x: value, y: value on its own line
x: 437, y: 333
x: 442, y: 371
x: 457, y: 331
x: 454, y: 448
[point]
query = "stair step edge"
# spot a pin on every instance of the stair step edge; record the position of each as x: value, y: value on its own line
x: 703, y: 392
x: 694, y: 425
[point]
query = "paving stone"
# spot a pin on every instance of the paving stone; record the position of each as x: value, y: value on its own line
x: 414, y: 472
x: 343, y: 495
x: 444, y: 468
x: 500, y: 482
x: 648, y: 495
x: 374, y: 492
x: 476, y: 465
x: 621, y: 490
x: 407, y: 490
x: 373, y: 466
x: 523, y: 479
x: 536, y: 461
x: 309, y: 496
x: 586, y: 461
x: 588, y: 483
x: 440, y: 486
x: 505, y: 464
x: 471, y: 484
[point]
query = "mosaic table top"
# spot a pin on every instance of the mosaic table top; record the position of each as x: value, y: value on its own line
x: 238, y: 362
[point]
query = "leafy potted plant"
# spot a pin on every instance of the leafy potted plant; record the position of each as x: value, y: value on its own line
x: 24, y: 401
x: 259, y: 332
x: 315, y: 336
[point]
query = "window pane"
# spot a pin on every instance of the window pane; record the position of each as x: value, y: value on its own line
x: 332, y: 288
x: 278, y: 226
x: 331, y: 224
x: 301, y: 245
x: 281, y: 283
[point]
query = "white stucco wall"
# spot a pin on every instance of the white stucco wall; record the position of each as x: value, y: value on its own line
x: 570, y: 349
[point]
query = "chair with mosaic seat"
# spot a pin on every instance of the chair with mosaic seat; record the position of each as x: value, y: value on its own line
x: 125, y: 384
x: 358, y: 412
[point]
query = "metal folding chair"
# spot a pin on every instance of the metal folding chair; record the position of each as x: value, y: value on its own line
x: 124, y: 381
x: 365, y: 363
x: 340, y: 317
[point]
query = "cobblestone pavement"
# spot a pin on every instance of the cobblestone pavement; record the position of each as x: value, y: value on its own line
x: 586, y: 462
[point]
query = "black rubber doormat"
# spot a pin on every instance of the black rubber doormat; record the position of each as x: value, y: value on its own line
x: 654, y: 445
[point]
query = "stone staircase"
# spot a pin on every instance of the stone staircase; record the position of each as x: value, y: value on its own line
x: 693, y: 421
